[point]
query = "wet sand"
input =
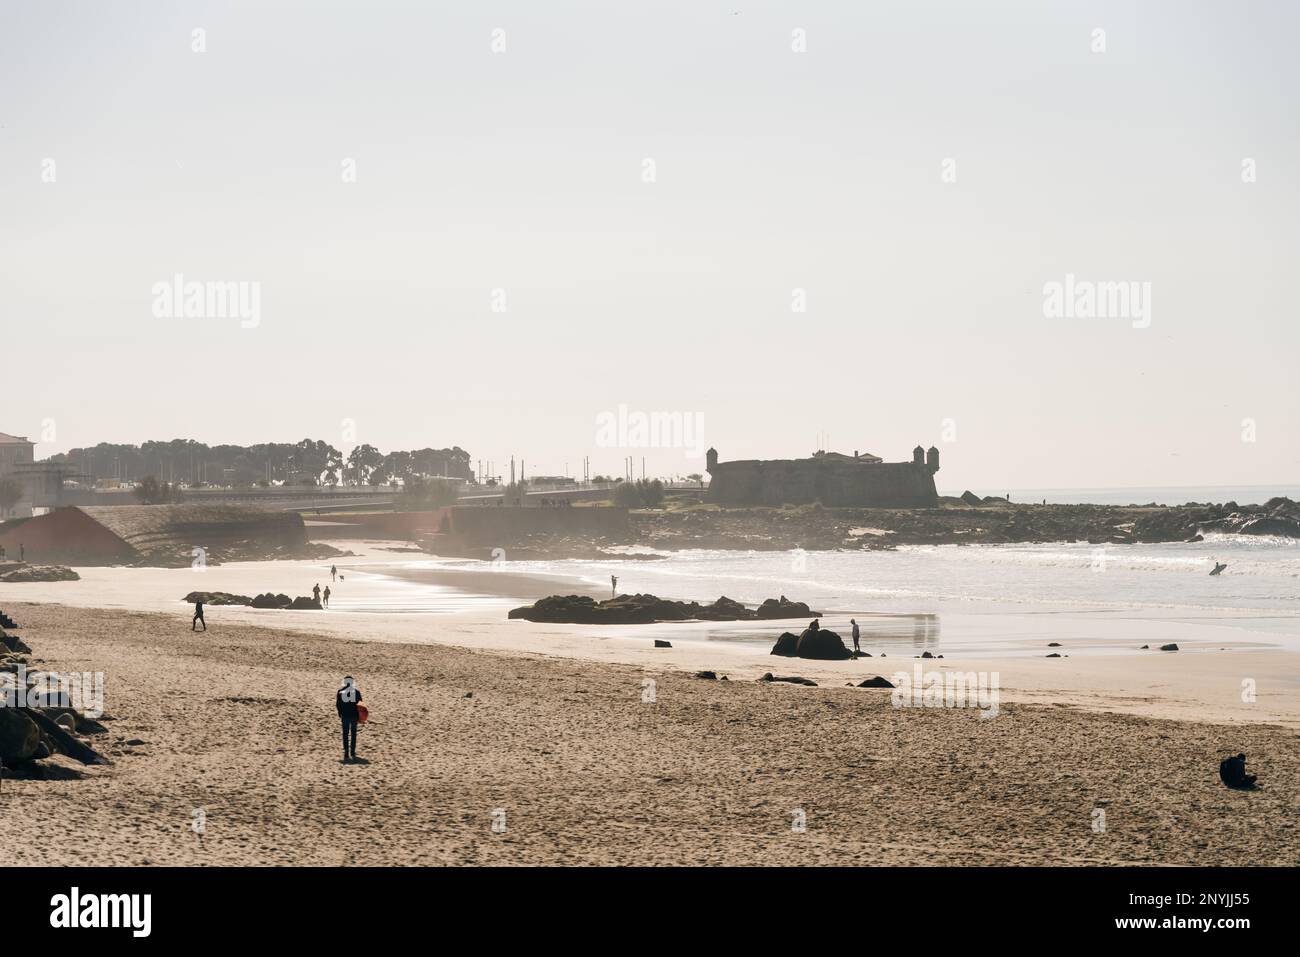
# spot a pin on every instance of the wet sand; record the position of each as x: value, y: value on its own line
x: 239, y: 722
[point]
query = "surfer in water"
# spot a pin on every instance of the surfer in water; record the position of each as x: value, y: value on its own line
x: 345, y: 702
x: 1218, y: 567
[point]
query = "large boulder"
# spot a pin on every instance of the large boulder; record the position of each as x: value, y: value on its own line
x: 822, y: 644
x: 784, y: 608
x: 787, y: 645
x: 305, y: 603
x: 14, y: 643
x: 268, y: 600
x: 19, y: 736
x: 970, y: 498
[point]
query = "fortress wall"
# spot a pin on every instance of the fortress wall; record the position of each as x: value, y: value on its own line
x: 786, y: 481
x: 499, y: 524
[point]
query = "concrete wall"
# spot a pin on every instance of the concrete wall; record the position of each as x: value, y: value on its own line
x: 494, y: 525
x: 64, y: 536
x: 835, y: 484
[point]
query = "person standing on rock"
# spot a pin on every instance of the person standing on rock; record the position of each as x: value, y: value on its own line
x: 198, y: 617
x: 315, y: 593
x: 854, y: 623
x: 345, y: 702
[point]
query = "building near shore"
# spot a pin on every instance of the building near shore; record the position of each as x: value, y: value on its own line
x: 15, y: 450
x: 831, y: 478
x: 161, y: 534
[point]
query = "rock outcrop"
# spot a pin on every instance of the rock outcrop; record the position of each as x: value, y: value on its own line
x: 39, y: 573
x: 217, y: 598
x: 36, y: 716
x: 647, y: 609
x: 821, y: 644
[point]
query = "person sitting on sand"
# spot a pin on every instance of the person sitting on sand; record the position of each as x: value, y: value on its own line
x: 345, y: 702
x: 1233, y: 772
x: 198, y: 617
x: 326, y: 595
x: 854, y: 623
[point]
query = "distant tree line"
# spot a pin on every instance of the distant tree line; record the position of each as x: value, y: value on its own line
x: 309, y: 462
x: 643, y: 493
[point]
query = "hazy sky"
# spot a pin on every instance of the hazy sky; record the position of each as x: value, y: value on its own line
x: 525, y: 171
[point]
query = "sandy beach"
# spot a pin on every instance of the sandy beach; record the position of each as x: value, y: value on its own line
x: 593, y: 748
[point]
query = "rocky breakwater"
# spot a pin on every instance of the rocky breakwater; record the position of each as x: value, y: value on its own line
x: 647, y: 609
x: 1278, y: 516
x: 40, y: 727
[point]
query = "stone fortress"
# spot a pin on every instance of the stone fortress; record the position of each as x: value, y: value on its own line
x: 831, y: 478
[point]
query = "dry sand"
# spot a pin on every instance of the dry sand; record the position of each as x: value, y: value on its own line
x: 239, y: 721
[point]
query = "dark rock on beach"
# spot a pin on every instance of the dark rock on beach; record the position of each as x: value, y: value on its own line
x: 821, y: 644
x: 876, y: 682
x: 660, y: 643
x: 647, y: 609
x: 787, y: 645
x: 217, y: 598
x: 817, y: 643
x: 789, y: 679
x: 19, y: 736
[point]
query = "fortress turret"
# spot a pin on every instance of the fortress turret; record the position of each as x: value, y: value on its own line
x: 932, y: 459
x: 710, y: 460
x: 918, y: 456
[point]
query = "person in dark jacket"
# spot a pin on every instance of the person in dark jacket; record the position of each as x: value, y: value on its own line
x: 345, y: 702
x: 1233, y: 772
x: 198, y: 617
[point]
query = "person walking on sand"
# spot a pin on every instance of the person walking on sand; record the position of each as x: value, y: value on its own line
x: 326, y: 595
x: 613, y: 586
x: 334, y: 573
x: 198, y: 617
x: 854, y: 623
x: 315, y: 593
x: 345, y: 702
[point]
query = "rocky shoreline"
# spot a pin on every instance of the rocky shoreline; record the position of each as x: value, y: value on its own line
x: 648, y: 609
x: 992, y: 522
x: 38, y: 717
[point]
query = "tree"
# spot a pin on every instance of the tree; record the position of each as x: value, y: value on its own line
x: 422, y: 494
x: 362, y: 461
x: 643, y: 493
x: 11, y: 493
x: 152, y: 492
